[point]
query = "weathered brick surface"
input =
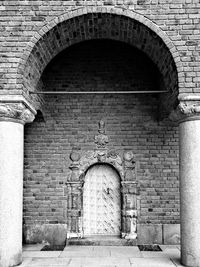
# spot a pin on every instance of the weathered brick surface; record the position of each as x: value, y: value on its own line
x: 71, y: 122
x: 100, y: 26
x: 21, y: 20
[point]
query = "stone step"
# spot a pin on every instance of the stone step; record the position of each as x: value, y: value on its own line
x: 100, y: 241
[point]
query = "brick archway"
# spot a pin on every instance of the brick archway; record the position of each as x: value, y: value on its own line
x: 101, y: 23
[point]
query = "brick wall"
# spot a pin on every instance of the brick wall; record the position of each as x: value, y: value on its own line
x: 21, y: 20
x: 71, y: 122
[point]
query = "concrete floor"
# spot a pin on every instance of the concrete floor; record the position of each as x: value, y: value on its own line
x: 98, y: 256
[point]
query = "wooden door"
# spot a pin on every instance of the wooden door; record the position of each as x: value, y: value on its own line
x: 101, y: 201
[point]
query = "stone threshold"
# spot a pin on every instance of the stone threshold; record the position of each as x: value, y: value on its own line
x: 100, y: 241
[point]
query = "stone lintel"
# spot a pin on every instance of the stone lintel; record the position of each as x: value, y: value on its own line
x: 16, y: 108
x: 187, y: 109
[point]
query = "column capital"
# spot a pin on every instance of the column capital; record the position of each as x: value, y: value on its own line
x: 17, y: 110
x: 187, y: 109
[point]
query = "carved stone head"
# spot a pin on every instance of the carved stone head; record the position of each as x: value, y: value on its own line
x: 128, y: 156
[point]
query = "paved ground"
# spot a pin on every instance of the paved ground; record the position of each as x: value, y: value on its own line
x: 98, y: 256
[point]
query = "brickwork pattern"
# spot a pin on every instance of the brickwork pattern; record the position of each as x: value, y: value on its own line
x: 98, y: 26
x: 22, y: 20
x: 71, y: 122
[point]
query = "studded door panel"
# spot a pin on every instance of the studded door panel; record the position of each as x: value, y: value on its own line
x: 101, y: 201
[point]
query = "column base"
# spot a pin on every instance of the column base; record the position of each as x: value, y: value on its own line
x: 10, y: 260
x: 189, y: 260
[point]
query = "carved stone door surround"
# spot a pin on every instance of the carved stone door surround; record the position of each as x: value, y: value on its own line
x: 126, y: 168
x: 123, y: 162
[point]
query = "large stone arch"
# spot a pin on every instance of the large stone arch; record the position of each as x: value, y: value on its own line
x: 101, y: 23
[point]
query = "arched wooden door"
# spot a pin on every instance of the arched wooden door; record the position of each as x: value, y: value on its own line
x: 101, y: 201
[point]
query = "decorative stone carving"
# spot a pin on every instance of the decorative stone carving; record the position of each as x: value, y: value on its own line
x: 74, y: 205
x: 75, y: 156
x: 129, y: 166
x: 129, y: 194
x: 101, y: 139
x: 132, y: 216
x: 88, y: 158
x: 126, y: 167
x: 75, y: 165
x: 91, y: 157
x: 189, y: 108
x: 101, y: 156
x: 186, y: 109
x: 16, y: 111
x: 128, y: 158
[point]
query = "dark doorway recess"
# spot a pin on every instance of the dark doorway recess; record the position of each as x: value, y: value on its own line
x: 53, y: 248
x: 149, y: 248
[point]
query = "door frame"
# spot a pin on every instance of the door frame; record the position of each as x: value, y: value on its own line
x: 125, y: 164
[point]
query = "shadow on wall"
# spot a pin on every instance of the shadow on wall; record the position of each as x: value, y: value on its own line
x: 52, y: 234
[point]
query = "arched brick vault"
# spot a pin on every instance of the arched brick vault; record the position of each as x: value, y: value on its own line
x: 101, y: 23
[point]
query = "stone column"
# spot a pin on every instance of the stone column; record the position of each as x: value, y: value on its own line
x: 189, y: 145
x: 13, y: 116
